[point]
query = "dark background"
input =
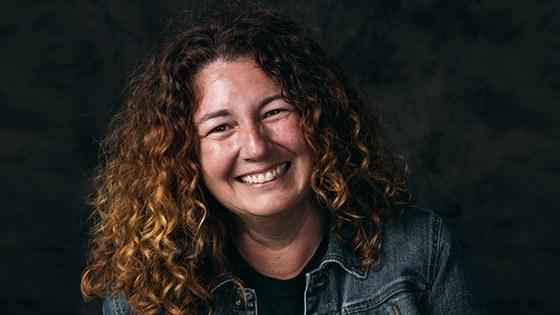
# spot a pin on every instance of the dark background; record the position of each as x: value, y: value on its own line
x: 469, y: 90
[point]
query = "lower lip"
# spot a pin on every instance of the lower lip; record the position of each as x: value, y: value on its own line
x: 269, y: 183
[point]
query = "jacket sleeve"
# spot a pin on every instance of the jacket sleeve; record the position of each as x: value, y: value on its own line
x: 115, y: 305
x: 452, y: 290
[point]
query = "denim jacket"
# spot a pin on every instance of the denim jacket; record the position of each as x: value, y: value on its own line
x: 423, y: 271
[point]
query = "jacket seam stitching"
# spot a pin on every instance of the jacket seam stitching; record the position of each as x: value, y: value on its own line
x: 369, y: 305
x: 434, y: 255
x: 118, y: 310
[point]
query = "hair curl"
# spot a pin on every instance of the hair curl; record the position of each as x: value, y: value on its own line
x: 157, y: 239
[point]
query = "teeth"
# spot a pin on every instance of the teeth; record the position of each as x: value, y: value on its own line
x: 267, y: 176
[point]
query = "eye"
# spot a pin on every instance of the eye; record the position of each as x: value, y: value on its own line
x: 274, y: 112
x: 219, y: 129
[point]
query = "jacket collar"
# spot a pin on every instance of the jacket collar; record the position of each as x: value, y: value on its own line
x: 221, y: 281
x: 338, y: 254
x: 335, y: 254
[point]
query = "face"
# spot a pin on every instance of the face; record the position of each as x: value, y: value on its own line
x: 253, y: 157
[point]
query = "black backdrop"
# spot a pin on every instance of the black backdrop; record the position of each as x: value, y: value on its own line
x: 469, y: 91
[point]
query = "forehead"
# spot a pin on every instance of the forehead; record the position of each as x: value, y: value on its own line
x: 220, y: 68
x: 223, y: 83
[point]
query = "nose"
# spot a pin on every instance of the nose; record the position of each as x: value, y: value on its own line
x: 254, y: 143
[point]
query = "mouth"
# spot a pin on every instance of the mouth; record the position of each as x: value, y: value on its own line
x: 267, y: 176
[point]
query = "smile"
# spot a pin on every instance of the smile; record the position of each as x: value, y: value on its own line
x: 267, y: 176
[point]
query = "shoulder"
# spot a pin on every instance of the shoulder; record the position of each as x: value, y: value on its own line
x: 415, y: 226
x: 421, y: 250
x: 115, y: 305
x: 414, y: 241
x: 422, y: 271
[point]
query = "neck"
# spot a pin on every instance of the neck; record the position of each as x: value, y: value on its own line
x: 281, y: 246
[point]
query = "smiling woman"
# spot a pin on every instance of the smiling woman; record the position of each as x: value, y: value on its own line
x: 253, y: 158
x: 245, y: 165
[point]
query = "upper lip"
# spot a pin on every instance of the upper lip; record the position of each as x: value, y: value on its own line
x: 264, y: 170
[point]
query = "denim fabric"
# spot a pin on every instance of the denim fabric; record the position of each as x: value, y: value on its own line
x: 422, y: 272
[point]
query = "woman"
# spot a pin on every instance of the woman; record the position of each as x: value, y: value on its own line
x: 246, y: 174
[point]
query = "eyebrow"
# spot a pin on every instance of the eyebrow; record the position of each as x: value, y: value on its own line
x: 225, y: 112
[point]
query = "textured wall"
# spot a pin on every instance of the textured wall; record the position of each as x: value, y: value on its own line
x: 469, y: 91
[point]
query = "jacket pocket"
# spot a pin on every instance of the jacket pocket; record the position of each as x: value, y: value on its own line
x: 400, y: 302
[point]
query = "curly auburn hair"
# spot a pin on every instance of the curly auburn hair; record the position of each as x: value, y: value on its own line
x: 158, y: 238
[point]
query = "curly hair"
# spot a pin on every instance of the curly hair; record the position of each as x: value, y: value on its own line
x: 158, y: 237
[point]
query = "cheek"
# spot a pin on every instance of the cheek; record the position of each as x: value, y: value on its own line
x: 290, y: 135
x: 215, y: 159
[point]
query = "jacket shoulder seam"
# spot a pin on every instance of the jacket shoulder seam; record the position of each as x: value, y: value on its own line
x: 436, y: 231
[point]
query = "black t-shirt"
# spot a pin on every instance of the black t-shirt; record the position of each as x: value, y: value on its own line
x: 276, y: 296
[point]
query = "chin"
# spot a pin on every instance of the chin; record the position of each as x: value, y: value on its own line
x: 273, y: 207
